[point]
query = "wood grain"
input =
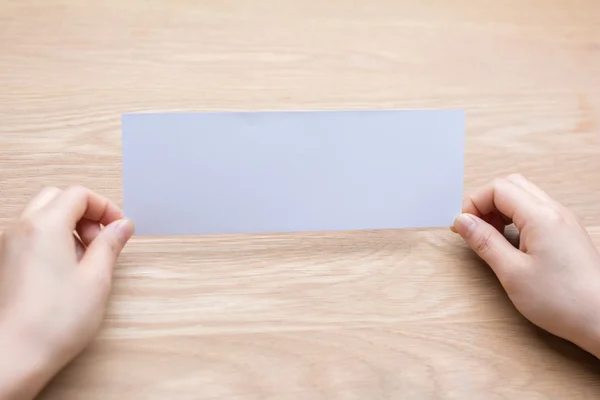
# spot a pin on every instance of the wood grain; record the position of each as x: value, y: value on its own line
x: 345, y: 315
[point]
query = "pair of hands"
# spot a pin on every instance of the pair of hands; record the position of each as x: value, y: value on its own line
x: 56, y: 265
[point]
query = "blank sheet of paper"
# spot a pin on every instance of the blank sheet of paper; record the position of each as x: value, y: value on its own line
x: 254, y: 172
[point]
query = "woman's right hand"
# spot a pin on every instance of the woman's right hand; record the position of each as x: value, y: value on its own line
x: 553, y: 278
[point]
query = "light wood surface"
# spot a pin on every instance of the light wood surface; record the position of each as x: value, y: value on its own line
x: 341, y: 315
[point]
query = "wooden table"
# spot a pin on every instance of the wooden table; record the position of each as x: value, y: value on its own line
x: 342, y: 315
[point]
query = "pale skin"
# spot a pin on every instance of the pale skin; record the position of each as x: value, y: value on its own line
x: 57, y: 259
x: 54, y: 286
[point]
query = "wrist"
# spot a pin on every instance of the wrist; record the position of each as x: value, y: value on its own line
x: 24, y: 368
x: 591, y: 342
x: 589, y: 333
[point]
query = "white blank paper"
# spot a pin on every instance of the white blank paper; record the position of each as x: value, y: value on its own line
x: 254, y: 172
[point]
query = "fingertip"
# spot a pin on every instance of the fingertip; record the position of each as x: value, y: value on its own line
x: 124, y: 229
x: 489, y: 244
x: 112, y: 213
x: 107, y: 246
x: 463, y: 224
x: 468, y: 206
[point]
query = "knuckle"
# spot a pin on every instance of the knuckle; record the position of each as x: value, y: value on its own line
x: 499, y: 183
x: 30, y: 227
x: 113, y: 246
x: 76, y: 191
x: 516, y: 177
x: 554, y: 214
x: 50, y: 190
x: 483, y: 242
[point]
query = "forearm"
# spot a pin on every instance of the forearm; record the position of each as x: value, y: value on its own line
x: 590, y: 342
x: 583, y: 321
x: 24, y: 371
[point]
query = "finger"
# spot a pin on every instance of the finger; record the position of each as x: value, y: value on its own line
x: 470, y: 207
x: 489, y: 244
x: 507, y: 198
x: 88, y: 230
x: 78, y: 202
x: 79, y: 248
x: 529, y: 186
x: 497, y: 220
x: 101, y: 255
x: 45, y: 196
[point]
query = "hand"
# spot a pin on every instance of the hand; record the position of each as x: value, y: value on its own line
x: 54, y: 284
x: 553, y: 279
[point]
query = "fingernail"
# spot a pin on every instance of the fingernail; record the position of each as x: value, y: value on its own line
x: 125, y: 228
x: 463, y: 223
x: 466, y: 201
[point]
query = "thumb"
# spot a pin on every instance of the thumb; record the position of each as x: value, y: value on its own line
x: 102, y: 253
x: 489, y: 244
